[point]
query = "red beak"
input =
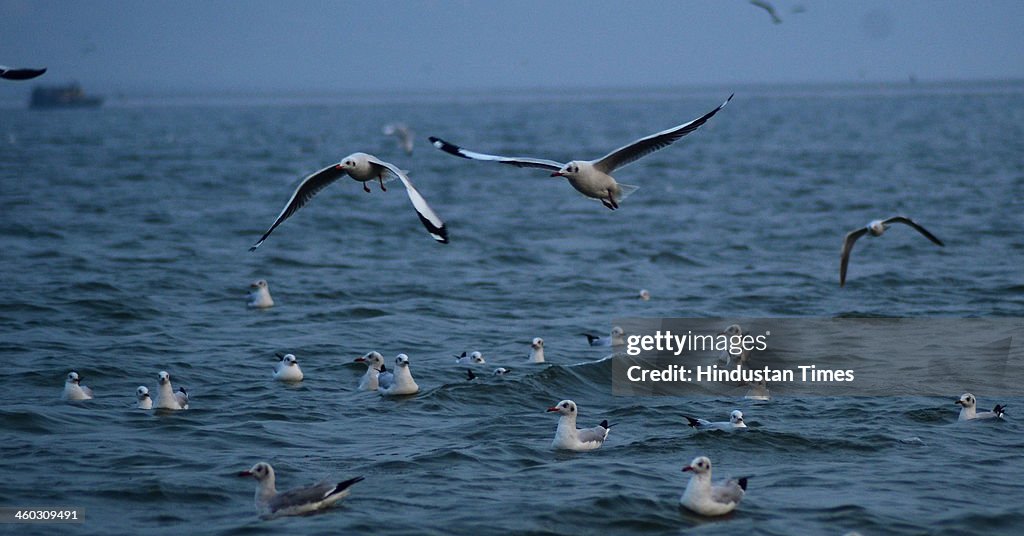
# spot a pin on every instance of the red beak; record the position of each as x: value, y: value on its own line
x: 552, y: 409
x: 557, y: 174
x: 245, y: 473
x: 687, y: 468
x: 359, y: 360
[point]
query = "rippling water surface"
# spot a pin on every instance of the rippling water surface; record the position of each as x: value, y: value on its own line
x: 124, y: 239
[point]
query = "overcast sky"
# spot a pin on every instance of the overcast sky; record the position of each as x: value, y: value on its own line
x: 257, y: 46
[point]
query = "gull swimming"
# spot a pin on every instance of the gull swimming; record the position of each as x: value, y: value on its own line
x: 10, y: 73
x: 568, y: 437
x: 758, y: 391
x: 167, y: 397
x: 374, y: 364
x: 402, y: 133
x: 875, y: 228
x: 614, y: 339
x: 363, y: 168
x: 735, y: 421
x: 644, y: 295
x: 968, y: 410
x: 707, y: 499
x: 270, y: 503
x: 73, y: 388
x: 741, y: 359
x: 259, y: 296
x: 287, y: 369
x: 593, y: 178
x: 145, y: 401
x: 475, y: 358
x: 500, y: 371
x: 399, y: 382
x: 537, y: 350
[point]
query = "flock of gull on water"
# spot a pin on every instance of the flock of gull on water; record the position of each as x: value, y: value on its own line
x: 593, y: 179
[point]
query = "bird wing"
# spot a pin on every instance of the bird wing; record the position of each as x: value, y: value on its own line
x: 182, y: 397
x: 769, y: 8
x: 844, y: 255
x: 435, y: 226
x: 644, y: 146
x: 727, y: 492
x: 20, y: 74
x: 300, y: 496
x: 308, y: 188
x: 385, y: 380
x: 912, y: 223
x: 597, y: 433
x: 517, y: 161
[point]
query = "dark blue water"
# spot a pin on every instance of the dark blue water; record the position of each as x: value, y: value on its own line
x: 124, y: 236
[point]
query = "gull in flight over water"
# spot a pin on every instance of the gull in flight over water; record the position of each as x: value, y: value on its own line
x: 402, y: 133
x: 769, y: 8
x: 593, y: 178
x: 298, y: 501
x: 875, y: 228
x: 363, y: 168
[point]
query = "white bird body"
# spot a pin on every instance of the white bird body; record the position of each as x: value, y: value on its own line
x: 475, y: 358
x: 537, y: 350
x: 144, y: 400
x: 568, y: 437
x: 374, y: 362
x: 613, y: 339
x: 706, y: 498
x: 735, y: 422
x: 167, y: 397
x: 73, y: 388
x: 399, y: 382
x: 969, y: 412
x: 259, y: 296
x: 298, y: 501
x: 287, y: 369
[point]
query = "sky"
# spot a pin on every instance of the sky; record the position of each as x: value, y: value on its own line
x: 262, y: 46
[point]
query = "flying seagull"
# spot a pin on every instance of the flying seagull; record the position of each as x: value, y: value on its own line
x: 875, y: 228
x: 769, y: 8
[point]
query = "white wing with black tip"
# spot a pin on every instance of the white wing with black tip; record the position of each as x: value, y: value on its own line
x: 309, y: 187
x: 517, y: 161
x: 435, y: 226
x: 647, y: 145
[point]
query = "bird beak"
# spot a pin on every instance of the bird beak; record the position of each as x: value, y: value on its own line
x: 552, y: 409
x: 337, y: 166
x: 359, y: 360
x: 245, y: 473
x: 960, y: 402
x: 687, y: 468
x: 557, y: 174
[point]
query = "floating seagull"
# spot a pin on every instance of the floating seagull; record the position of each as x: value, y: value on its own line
x: 875, y: 228
x: 615, y: 339
x: 501, y: 371
x: 167, y: 397
x: 709, y: 499
x: 967, y: 412
x: 758, y: 391
x: 735, y: 421
x: 741, y: 359
x: 403, y: 133
x: 287, y: 369
x: 537, y: 350
x: 74, y: 390
x: 568, y: 437
x: 475, y: 358
x: 270, y: 503
x: 644, y: 295
x: 361, y: 167
x: 8, y: 73
x: 259, y: 296
x: 593, y: 178
x: 400, y: 382
x: 145, y: 401
x: 769, y: 8
x: 374, y: 364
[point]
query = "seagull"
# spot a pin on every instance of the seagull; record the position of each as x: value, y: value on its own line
x: 287, y: 369
x: 469, y: 375
x: 167, y: 397
x: 758, y: 391
x: 615, y: 339
x: 735, y: 421
x: 593, y: 178
x: 968, y: 413
x: 644, y: 295
x: 741, y: 359
x: 145, y: 401
x: 769, y: 8
x: 537, y: 350
x: 501, y: 371
x: 709, y: 499
x: 74, y: 390
x: 400, y: 382
x: 875, y: 228
x: 475, y: 358
x: 403, y: 133
x: 10, y: 73
x: 374, y: 364
x: 259, y: 296
x: 361, y: 167
x: 270, y: 503
x: 568, y: 437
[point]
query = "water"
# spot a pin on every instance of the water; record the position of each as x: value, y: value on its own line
x: 125, y: 233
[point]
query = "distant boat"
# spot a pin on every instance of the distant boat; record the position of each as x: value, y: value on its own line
x: 67, y: 96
